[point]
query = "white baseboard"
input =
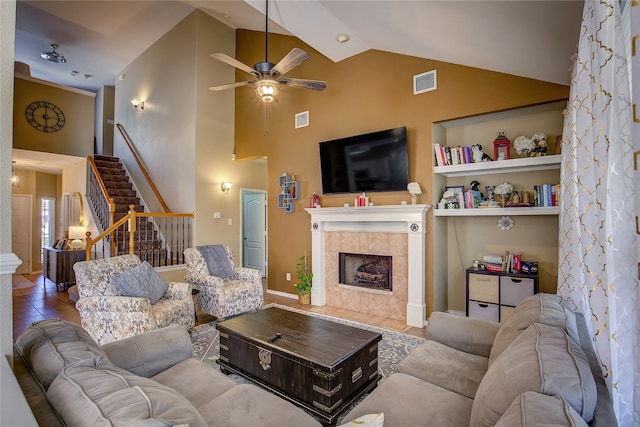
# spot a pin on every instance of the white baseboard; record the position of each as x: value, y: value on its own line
x: 282, y: 294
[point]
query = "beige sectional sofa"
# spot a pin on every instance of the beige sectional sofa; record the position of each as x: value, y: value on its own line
x: 147, y: 380
x: 538, y: 367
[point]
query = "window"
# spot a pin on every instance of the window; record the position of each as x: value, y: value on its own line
x: 48, y: 223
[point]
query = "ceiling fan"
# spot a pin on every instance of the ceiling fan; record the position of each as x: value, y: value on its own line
x: 267, y: 75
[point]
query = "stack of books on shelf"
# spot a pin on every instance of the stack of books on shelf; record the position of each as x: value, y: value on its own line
x: 493, y: 262
x: 452, y: 155
x: 546, y: 195
x: 509, y: 263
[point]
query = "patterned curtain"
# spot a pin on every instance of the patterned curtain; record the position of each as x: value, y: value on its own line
x: 598, y: 253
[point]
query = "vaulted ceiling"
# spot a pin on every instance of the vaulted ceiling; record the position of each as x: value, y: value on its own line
x: 533, y: 39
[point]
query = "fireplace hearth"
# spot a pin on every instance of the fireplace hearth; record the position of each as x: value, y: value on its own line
x: 365, y: 271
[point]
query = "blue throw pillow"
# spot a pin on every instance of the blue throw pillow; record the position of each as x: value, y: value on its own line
x: 141, y: 281
x: 217, y: 260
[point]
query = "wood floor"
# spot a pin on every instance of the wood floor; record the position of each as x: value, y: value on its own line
x: 42, y: 301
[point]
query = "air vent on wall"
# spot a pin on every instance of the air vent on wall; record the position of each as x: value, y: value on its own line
x: 424, y: 82
x: 302, y: 119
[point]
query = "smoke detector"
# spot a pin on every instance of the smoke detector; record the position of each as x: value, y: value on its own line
x: 53, y: 56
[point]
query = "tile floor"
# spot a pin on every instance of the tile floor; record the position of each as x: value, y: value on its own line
x: 43, y: 302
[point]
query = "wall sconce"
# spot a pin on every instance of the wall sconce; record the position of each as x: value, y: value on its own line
x: 137, y: 104
x: 78, y: 234
x: 15, y: 179
x: 225, y: 186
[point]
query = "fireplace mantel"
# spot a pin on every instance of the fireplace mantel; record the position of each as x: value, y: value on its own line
x: 409, y: 219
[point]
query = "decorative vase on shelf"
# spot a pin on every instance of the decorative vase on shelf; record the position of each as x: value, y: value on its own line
x: 304, y: 299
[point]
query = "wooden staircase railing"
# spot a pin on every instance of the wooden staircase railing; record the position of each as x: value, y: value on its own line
x: 103, y: 204
x: 162, y: 245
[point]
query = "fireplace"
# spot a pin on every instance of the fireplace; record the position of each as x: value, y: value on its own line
x: 397, y: 230
x: 365, y: 271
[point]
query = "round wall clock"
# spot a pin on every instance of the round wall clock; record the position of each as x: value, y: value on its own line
x: 45, y: 116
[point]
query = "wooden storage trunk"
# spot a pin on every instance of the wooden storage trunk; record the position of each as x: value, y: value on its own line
x: 318, y: 364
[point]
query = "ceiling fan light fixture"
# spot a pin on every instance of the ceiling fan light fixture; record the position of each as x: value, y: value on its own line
x: 53, y: 56
x: 267, y: 90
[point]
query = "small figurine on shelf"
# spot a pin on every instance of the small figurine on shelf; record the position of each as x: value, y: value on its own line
x: 479, y: 155
x: 540, y: 140
x: 414, y: 189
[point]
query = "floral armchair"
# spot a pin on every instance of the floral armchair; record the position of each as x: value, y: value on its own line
x: 237, y: 294
x: 110, y: 313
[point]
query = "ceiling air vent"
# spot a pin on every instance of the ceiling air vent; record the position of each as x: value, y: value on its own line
x: 302, y: 119
x: 424, y: 82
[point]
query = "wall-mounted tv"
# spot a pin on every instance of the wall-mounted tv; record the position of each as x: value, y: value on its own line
x: 376, y: 161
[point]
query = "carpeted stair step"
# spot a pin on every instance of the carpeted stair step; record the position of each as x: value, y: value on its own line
x: 112, y: 171
x: 121, y: 192
x: 126, y: 201
x: 106, y: 158
x: 105, y: 164
x: 117, y: 178
x: 119, y: 185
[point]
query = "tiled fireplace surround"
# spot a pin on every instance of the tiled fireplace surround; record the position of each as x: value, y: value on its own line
x: 372, y: 230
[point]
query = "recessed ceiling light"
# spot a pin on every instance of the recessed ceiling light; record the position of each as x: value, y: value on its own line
x: 88, y: 76
x: 343, y: 38
x: 73, y: 73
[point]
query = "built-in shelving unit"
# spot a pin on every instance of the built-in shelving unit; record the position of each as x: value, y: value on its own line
x: 463, y: 235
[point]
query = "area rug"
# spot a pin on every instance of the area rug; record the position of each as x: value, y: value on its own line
x: 393, y: 348
x: 19, y: 282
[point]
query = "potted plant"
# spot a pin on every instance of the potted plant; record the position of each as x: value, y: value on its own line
x: 304, y: 280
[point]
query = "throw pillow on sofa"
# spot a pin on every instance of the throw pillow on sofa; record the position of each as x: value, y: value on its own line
x: 539, y: 308
x: 542, y: 359
x: 94, y: 392
x: 532, y: 409
x: 142, y: 281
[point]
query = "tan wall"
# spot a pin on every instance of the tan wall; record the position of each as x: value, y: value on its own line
x: 184, y: 135
x: 368, y: 92
x: 75, y: 138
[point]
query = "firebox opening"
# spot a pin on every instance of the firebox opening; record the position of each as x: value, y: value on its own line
x: 365, y: 271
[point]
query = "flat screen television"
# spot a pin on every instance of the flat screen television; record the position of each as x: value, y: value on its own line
x: 376, y: 161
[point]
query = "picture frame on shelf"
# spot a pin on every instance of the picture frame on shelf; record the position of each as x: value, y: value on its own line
x: 558, y: 147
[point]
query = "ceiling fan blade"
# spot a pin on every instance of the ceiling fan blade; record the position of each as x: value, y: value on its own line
x: 290, y: 61
x: 304, y: 84
x: 234, y: 63
x: 232, y: 85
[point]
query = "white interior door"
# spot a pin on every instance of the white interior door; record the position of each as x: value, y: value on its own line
x: 254, y: 230
x: 21, y: 230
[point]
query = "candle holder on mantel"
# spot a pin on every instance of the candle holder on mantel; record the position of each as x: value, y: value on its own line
x: 501, y: 146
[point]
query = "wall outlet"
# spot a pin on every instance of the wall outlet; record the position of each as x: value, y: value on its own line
x: 289, y: 277
x: 229, y: 221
